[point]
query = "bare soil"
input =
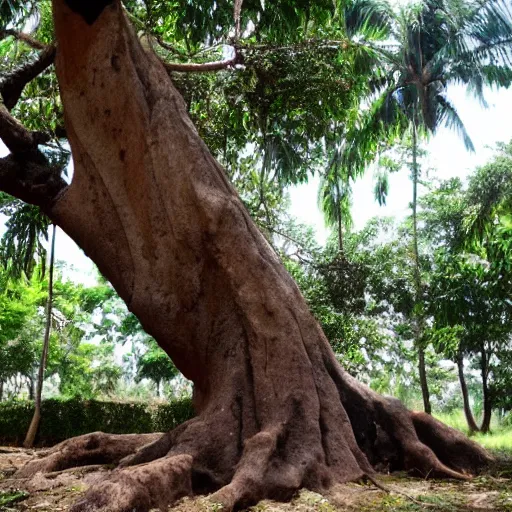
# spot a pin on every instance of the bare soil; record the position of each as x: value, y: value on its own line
x: 491, y: 491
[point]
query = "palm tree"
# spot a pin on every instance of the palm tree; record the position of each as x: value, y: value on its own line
x: 36, y: 418
x: 350, y: 147
x: 335, y: 192
x: 435, y: 44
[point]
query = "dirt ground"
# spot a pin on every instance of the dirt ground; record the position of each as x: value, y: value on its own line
x: 491, y: 491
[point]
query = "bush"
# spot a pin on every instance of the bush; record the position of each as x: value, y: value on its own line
x: 62, y: 419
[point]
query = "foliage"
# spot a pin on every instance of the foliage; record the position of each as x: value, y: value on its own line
x: 437, y: 43
x: 11, y: 497
x: 62, y: 419
x: 315, y: 88
x: 18, y: 306
x: 154, y: 364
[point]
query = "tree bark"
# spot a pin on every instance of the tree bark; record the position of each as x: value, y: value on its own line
x: 422, y: 370
x: 338, y: 213
x: 155, y: 211
x: 34, y: 424
x: 473, y: 427
x: 12, y: 84
x: 30, y: 388
x: 418, y: 316
x: 486, y: 420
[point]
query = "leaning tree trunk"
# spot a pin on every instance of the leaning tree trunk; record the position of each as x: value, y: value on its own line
x: 36, y: 418
x: 473, y: 427
x: 155, y: 211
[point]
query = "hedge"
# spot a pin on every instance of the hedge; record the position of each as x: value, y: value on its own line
x: 62, y: 419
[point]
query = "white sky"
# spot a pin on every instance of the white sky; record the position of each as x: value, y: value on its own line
x: 447, y: 155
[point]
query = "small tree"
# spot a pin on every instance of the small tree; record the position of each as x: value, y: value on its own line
x: 34, y: 424
x: 155, y: 365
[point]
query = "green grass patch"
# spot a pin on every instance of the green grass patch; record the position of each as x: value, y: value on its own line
x: 498, y: 440
x: 11, y: 497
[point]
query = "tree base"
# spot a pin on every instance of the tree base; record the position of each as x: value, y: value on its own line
x: 204, y: 455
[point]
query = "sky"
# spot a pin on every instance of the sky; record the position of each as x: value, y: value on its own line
x: 447, y: 155
x: 486, y: 127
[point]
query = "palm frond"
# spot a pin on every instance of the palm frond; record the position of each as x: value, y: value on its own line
x: 381, y: 186
x: 448, y: 113
x: 369, y: 19
x: 335, y: 199
x: 22, y: 243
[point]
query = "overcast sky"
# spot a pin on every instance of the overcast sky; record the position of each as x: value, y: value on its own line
x: 447, y: 154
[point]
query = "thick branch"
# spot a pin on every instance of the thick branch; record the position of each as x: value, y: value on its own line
x: 29, y: 177
x: 16, y: 137
x: 26, y: 38
x: 13, y: 84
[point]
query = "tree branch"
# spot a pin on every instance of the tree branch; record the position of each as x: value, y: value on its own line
x: 30, y: 177
x: 21, y: 36
x: 12, y: 85
x: 167, y: 46
x: 16, y: 137
x: 200, y: 68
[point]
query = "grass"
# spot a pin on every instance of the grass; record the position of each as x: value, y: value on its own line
x: 11, y: 497
x: 499, y: 439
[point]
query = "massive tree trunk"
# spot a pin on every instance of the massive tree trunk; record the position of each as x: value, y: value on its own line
x: 154, y: 210
x: 470, y: 420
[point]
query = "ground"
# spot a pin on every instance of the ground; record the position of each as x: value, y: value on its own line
x: 491, y: 491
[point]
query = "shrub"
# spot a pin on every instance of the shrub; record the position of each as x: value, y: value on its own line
x: 62, y: 419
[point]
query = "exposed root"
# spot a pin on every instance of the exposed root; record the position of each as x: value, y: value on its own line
x: 79, y: 469
x: 450, y: 446
x: 95, y: 448
x: 221, y: 452
x: 149, y: 452
x: 260, y: 475
x: 140, y: 488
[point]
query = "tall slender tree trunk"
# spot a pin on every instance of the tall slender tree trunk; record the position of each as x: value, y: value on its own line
x: 1, y: 390
x: 34, y: 424
x: 473, y: 427
x: 338, y: 215
x: 486, y: 420
x: 156, y: 212
x: 30, y: 387
x: 418, y: 314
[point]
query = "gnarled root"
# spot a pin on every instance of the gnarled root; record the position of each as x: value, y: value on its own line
x: 140, y: 488
x: 95, y: 448
x: 229, y: 451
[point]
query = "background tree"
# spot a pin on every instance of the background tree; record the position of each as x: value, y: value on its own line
x: 435, y: 44
x: 469, y: 289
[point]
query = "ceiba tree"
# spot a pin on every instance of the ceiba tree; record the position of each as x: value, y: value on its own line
x: 156, y: 213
